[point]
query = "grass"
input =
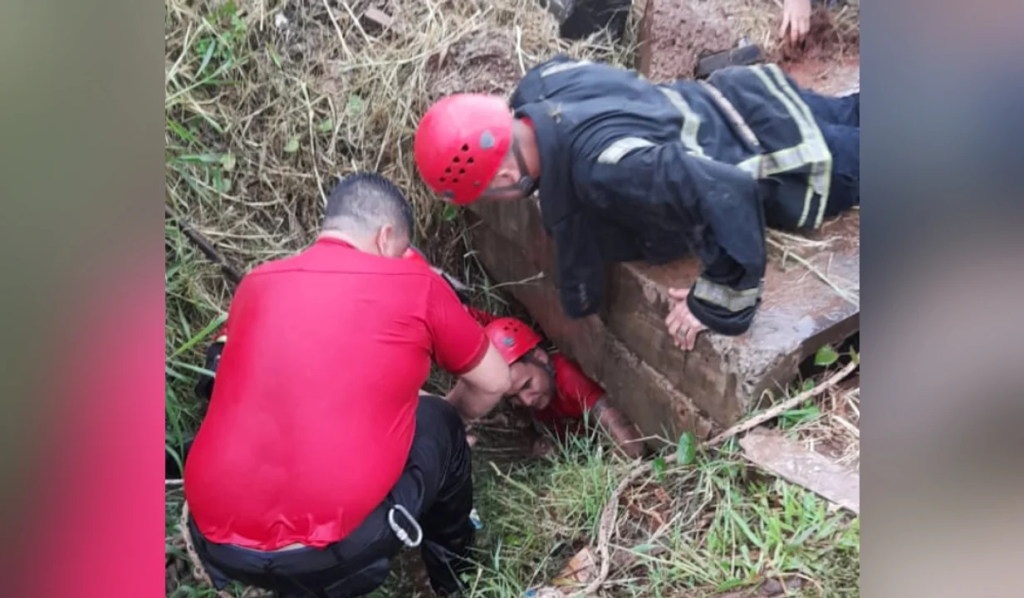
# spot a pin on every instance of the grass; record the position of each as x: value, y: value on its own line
x: 713, y: 527
x: 261, y: 118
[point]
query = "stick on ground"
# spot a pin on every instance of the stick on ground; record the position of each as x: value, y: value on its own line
x: 205, y: 246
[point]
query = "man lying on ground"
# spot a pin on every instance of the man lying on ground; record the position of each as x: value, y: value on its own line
x: 554, y: 388
x: 628, y: 169
x: 318, y: 457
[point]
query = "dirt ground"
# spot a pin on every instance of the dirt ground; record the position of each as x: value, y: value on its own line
x: 828, y: 61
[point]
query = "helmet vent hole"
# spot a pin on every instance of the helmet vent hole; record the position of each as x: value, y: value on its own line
x: 469, y: 160
x: 455, y: 180
x: 455, y: 159
x: 462, y: 171
x: 465, y: 147
x: 448, y: 170
x: 442, y: 179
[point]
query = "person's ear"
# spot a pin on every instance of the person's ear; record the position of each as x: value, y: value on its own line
x: 541, y: 355
x: 384, y: 240
x: 506, y: 176
x: 508, y: 172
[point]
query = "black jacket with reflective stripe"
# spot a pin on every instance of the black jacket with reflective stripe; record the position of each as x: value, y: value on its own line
x: 632, y: 170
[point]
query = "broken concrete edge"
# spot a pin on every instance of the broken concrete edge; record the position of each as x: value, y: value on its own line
x: 792, y: 462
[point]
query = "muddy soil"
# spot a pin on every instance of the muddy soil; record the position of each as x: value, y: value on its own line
x: 483, y: 62
x: 828, y: 60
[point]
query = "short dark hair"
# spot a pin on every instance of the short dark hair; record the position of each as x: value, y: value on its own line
x: 366, y: 201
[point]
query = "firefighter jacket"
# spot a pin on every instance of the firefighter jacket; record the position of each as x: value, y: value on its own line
x: 634, y: 170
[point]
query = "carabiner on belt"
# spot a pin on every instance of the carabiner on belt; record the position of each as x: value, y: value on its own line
x: 401, y: 533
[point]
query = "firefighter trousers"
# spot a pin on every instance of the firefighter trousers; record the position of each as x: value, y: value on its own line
x: 839, y: 121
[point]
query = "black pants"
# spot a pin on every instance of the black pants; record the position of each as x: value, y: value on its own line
x: 839, y: 121
x: 437, y: 490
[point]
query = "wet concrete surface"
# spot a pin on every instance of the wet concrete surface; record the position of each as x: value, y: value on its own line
x: 724, y: 375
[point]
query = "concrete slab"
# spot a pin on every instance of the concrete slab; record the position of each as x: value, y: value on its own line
x: 792, y: 462
x: 509, y: 250
x: 725, y: 375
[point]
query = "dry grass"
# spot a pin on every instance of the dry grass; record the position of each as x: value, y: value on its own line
x: 833, y: 427
x: 269, y: 103
x: 834, y: 31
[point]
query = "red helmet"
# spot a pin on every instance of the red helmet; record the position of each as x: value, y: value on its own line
x: 512, y: 338
x: 460, y: 143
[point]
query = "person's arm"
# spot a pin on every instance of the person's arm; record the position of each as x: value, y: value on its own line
x: 479, y: 390
x: 590, y: 397
x: 655, y: 184
x: 461, y: 347
x: 581, y: 268
x: 624, y: 433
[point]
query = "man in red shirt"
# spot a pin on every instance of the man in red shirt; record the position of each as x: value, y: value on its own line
x: 554, y: 388
x: 318, y: 457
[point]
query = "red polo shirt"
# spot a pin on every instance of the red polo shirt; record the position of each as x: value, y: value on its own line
x: 314, y: 408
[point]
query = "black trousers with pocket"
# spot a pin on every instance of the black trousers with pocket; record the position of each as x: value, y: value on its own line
x: 436, y: 488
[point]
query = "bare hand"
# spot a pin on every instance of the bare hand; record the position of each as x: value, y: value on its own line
x: 683, y: 325
x: 796, y: 16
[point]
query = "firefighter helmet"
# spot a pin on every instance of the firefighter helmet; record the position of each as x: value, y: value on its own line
x: 460, y: 144
x: 512, y: 338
